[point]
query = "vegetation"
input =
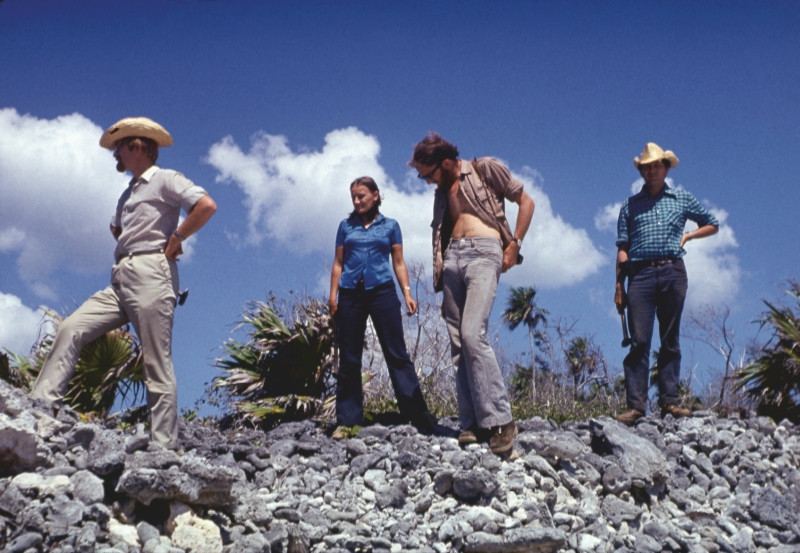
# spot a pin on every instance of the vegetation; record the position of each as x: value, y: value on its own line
x: 283, y: 371
x: 772, y: 380
x: 522, y: 309
x: 285, y: 367
x: 109, y: 369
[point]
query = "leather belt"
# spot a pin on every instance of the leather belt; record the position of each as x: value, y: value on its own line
x: 638, y: 265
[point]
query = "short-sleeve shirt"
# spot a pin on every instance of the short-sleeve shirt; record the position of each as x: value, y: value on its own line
x: 149, y: 209
x: 367, y: 251
x: 652, y: 227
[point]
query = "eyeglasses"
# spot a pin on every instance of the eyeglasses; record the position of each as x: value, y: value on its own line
x: 429, y: 175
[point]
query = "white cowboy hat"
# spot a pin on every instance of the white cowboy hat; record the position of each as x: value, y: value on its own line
x: 652, y: 153
x: 135, y: 126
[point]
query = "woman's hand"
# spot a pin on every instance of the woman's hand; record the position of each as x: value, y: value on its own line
x: 332, y: 306
x: 410, y: 304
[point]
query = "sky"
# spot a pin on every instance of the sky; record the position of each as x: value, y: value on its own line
x: 275, y: 107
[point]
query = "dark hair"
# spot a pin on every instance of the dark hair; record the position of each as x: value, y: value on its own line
x: 370, y: 183
x: 432, y: 150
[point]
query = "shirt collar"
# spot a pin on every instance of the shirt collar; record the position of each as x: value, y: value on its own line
x: 666, y: 191
x: 355, y: 221
x: 146, y: 176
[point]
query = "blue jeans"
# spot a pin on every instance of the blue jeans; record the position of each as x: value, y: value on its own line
x: 655, y: 292
x: 471, y: 270
x: 383, y: 307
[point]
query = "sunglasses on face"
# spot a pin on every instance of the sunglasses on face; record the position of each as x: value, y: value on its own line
x: 429, y: 175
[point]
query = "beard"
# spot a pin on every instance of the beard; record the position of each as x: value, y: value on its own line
x: 449, y: 177
x: 120, y: 166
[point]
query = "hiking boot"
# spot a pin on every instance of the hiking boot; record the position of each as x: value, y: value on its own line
x: 467, y: 437
x: 502, y: 438
x: 675, y: 410
x: 630, y: 416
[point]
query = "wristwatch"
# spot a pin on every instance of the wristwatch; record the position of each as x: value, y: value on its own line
x: 518, y: 241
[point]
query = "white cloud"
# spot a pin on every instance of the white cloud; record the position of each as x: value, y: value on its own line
x: 556, y: 253
x: 57, y: 196
x: 298, y: 198
x: 714, y: 271
x: 19, y: 325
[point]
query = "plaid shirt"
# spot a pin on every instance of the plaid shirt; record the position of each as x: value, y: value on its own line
x: 652, y: 227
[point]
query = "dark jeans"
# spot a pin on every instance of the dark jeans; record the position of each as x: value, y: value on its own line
x: 383, y: 307
x: 655, y: 292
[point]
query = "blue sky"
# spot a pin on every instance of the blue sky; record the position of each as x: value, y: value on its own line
x: 275, y: 107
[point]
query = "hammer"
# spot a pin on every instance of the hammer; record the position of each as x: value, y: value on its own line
x: 626, y: 339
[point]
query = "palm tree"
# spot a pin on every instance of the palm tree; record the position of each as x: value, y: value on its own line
x: 521, y: 308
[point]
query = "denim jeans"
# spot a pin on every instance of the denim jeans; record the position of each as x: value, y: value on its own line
x: 655, y: 292
x: 382, y: 306
x: 471, y: 271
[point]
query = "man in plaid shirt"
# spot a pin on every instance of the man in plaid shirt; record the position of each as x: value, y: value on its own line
x: 650, y: 240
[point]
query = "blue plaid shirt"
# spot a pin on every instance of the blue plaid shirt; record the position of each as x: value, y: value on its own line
x: 652, y: 227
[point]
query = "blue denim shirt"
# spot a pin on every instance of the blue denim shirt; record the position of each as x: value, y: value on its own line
x: 367, y: 251
x: 652, y: 227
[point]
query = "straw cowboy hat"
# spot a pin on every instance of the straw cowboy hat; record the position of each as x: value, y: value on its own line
x: 652, y: 153
x: 135, y: 126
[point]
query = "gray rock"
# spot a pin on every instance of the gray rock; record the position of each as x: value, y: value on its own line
x: 692, y: 485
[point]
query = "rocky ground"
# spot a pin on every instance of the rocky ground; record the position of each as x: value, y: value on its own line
x: 691, y: 485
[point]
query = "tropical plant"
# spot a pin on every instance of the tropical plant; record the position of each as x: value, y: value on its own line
x: 585, y: 363
x: 17, y: 370
x: 109, y: 369
x: 773, y: 378
x: 283, y: 370
x: 521, y: 308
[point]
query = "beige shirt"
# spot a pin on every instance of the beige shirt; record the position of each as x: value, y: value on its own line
x: 149, y: 209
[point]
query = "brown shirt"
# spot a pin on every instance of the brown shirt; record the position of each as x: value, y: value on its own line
x: 485, y: 199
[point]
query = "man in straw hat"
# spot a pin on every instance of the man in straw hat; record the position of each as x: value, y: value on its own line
x: 472, y: 244
x: 650, y: 240
x: 144, y: 279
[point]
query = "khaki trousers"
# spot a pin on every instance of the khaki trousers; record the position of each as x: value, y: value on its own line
x: 143, y: 292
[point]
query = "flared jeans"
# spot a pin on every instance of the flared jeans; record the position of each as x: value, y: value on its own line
x: 382, y: 306
x: 471, y: 271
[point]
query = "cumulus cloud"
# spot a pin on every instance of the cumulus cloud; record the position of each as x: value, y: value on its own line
x: 57, y: 196
x: 297, y: 198
x: 556, y: 253
x: 19, y: 325
x: 713, y: 268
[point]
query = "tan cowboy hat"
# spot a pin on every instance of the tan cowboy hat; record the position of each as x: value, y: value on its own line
x: 652, y: 153
x: 135, y: 126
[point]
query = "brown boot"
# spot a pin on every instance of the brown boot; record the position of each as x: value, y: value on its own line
x: 630, y: 416
x: 675, y: 410
x: 467, y: 437
x: 502, y: 438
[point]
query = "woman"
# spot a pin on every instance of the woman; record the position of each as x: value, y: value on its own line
x: 361, y: 287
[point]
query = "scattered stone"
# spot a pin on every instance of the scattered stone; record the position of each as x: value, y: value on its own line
x: 695, y: 485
